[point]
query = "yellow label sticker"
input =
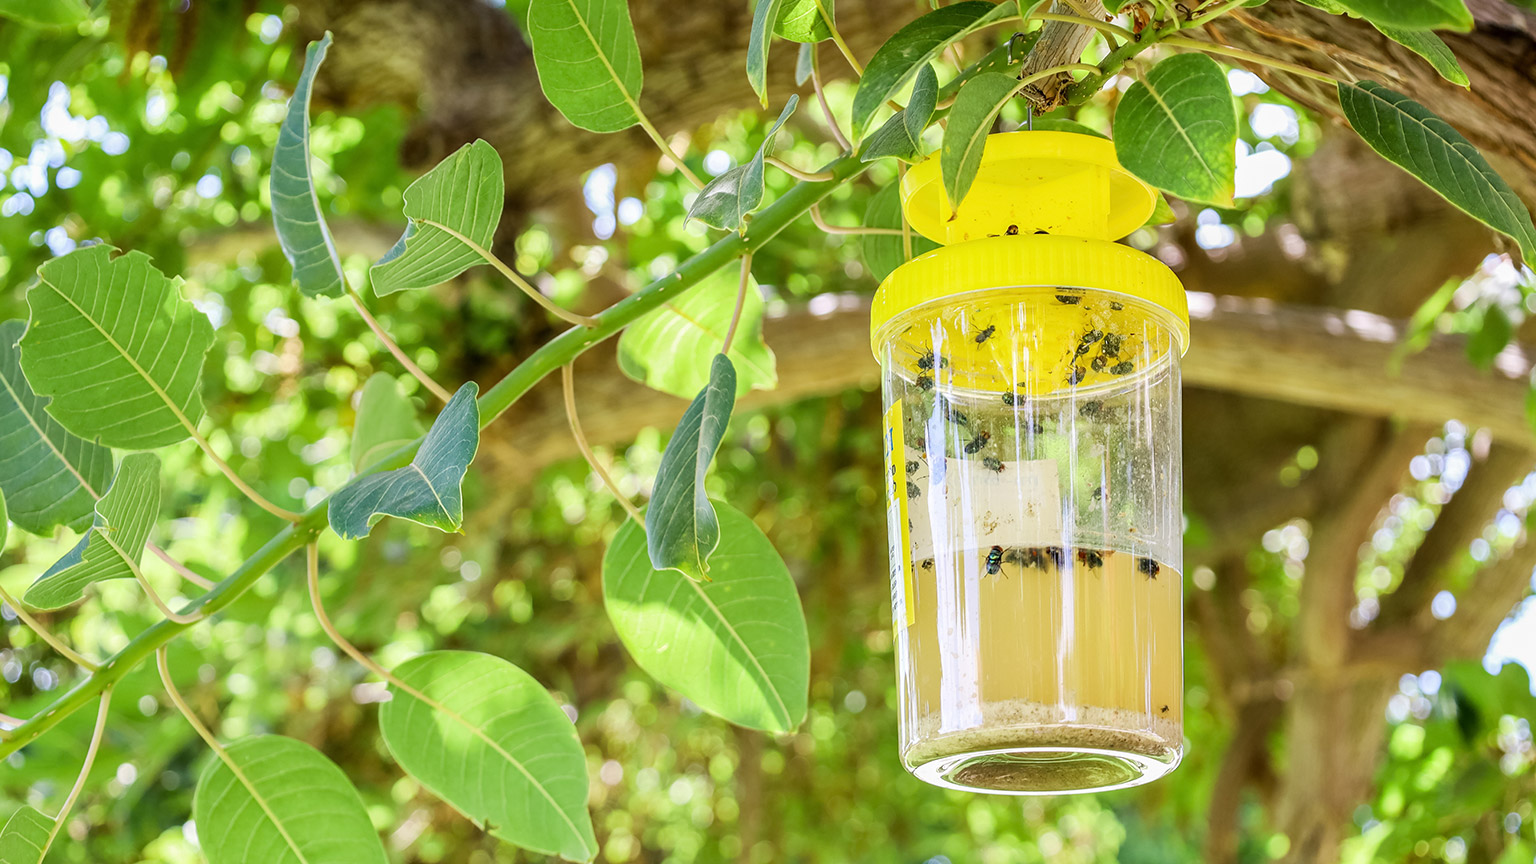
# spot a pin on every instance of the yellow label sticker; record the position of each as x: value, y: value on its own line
x: 900, y: 525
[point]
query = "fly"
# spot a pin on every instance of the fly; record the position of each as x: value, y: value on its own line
x: 1069, y: 299
x: 1079, y: 373
x: 1090, y: 558
x: 992, y: 463
x: 1149, y: 567
x: 913, y: 490
x: 1098, y: 363
x: 1012, y: 399
x: 1124, y: 367
x: 994, y: 560
x: 925, y: 362
x: 986, y: 334
x: 975, y: 444
x: 911, y: 466
x: 1111, y: 346
x: 925, y: 382
x: 1091, y: 409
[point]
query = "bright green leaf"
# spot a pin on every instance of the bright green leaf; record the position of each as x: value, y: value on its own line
x: 453, y: 211
x: 1432, y: 48
x: 795, y: 20
x: 1162, y: 212
x: 1412, y: 137
x: 759, y: 40
x: 680, y: 525
x: 1413, y: 14
x: 802, y: 21
x: 1177, y: 129
x: 915, y: 46
x: 288, y: 804
x: 884, y: 252
x: 50, y: 477
x: 805, y: 64
x: 489, y: 740
x: 1492, y: 336
x: 45, y: 13
x: 427, y: 491
x: 588, y: 61
x: 670, y: 349
x: 118, y: 349
x: 385, y: 422
x: 113, y: 546
x: 25, y: 837
x: 726, y: 201
x: 301, y: 228
x: 736, y: 645
x: 970, y: 121
x: 902, y: 135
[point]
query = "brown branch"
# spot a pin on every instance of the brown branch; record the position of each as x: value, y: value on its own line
x: 1060, y: 43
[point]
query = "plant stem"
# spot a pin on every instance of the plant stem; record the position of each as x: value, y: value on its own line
x: 741, y: 302
x: 53, y: 641
x: 795, y: 172
x: 906, y: 227
x: 568, y: 384
x: 378, y: 330
x: 837, y: 39
x: 256, y: 497
x: 1087, y: 21
x: 85, y: 771
x: 515, y: 278
x: 826, y: 109
x: 181, y: 569
x: 1251, y: 57
x: 846, y: 229
x: 645, y: 123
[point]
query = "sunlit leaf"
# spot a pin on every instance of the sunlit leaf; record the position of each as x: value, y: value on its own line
x: 902, y: 134
x: 1176, y: 128
x: 670, y: 349
x: 117, y: 348
x: 805, y: 64
x: 427, y: 491
x: 802, y: 21
x: 453, y: 211
x: 681, y: 528
x: 24, y: 839
x: 726, y: 201
x: 588, y: 61
x: 1491, y: 336
x: 1162, y: 212
x: 916, y: 45
x: 45, y: 13
x: 301, y: 228
x: 1432, y: 48
x: 49, y: 476
x: 1412, y: 14
x: 287, y: 804
x: 970, y: 121
x: 736, y: 646
x: 1413, y: 138
x: 884, y: 252
x: 489, y: 740
x: 386, y: 421
x: 113, y: 546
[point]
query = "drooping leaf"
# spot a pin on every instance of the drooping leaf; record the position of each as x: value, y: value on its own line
x: 588, y: 61
x: 759, y: 40
x: 1177, y: 129
x: 1432, y: 48
x: 118, y: 349
x: 1413, y: 14
x: 427, y: 491
x: 1413, y: 138
x: 670, y: 348
x: 680, y: 525
x: 113, y: 546
x: 386, y: 421
x: 49, y: 476
x: 24, y: 839
x: 45, y: 13
x: 453, y: 211
x: 915, y: 46
x: 805, y: 64
x: 288, y: 804
x: 795, y: 20
x: 301, y: 228
x: 736, y: 645
x: 884, y: 252
x: 902, y: 134
x: 1491, y: 336
x: 726, y: 201
x: 489, y: 740
x: 1162, y: 212
x: 802, y: 21
x: 970, y: 121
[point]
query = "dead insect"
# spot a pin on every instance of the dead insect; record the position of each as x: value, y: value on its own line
x: 911, y: 465
x: 1078, y: 374
x: 1116, y: 306
x: 1111, y: 346
x: 1165, y: 709
x: 1069, y: 299
x: 1013, y: 231
x: 1092, y: 336
x: 1149, y: 567
x: 1099, y: 363
x: 1011, y: 399
x: 1019, y: 557
x: 1054, y: 555
x: 992, y: 463
x: 1083, y: 348
x: 927, y: 564
x: 994, y: 560
x: 925, y: 362
x: 913, y: 490
x: 953, y: 414
x: 975, y: 444
x: 1090, y: 558
x: 1091, y: 409
x: 1124, y: 367
x: 1098, y: 494
x: 986, y: 333
x: 925, y: 382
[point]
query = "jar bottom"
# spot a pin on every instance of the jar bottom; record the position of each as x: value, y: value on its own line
x: 1048, y: 758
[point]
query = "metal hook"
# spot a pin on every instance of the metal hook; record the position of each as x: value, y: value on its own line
x: 1029, y: 115
x: 1011, y: 40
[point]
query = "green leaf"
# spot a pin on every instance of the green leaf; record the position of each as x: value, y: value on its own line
x: 1431, y: 48
x: 286, y: 804
x: 1492, y: 335
x: 301, y: 228
x: 1162, y: 212
x: 680, y: 524
x: 759, y: 40
x: 1413, y: 138
x: 670, y: 349
x: 795, y: 20
x: 427, y: 491
x: 884, y: 252
x: 970, y: 121
x: 1062, y: 124
x: 1177, y: 129
x: 489, y: 740
x: 45, y: 13
x: 118, y: 349
x: 915, y: 46
x: 805, y: 64
x: 588, y: 61
x: 802, y: 21
x: 49, y: 476
x: 111, y: 549
x: 385, y: 421
x: 726, y: 201
x: 453, y: 211
x: 25, y: 837
x: 902, y: 135
x: 1413, y: 14
x: 736, y: 645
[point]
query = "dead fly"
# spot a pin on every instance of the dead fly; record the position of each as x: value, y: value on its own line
x: 1012, y: 399
x: 1013, y: 231
x: 992, y: 463
x: 1083, y: 348
x: 913, y: 490
x: 1111, y: 347
x: 994, y: 560
x: 1090, y: 558
x: 1125, y: 367
x: 1069, y: 299
x: 1116, y: 306
x: 974, y: 446
x: 925, y: 382
x: 1092, y: 336
x: 986, y: 334
x: 1078, y: 374
x: 1098, y: 363
x: 1149, y: 567
x: 927, y: 564
x: 951, y: 413
x: 925, y: 362
x: 1098, y: 495
x: 911, y: 466
x: 1165, y: 709
x: 1054, y: 555
x: 1091, y: 409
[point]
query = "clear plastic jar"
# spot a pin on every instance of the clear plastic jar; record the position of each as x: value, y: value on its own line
x: 1034, y: 465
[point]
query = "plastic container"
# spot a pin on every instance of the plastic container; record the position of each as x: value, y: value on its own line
x: 1031, y: 381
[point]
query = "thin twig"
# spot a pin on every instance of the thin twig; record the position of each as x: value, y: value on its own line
x: 826, y: 109
x: 840, y: 229
x: 837, y: 39
x: 229, y: 473
x: 389, y: 344
x: 85, y: 771
x: 517, y: 279
x: 807, y: 176
x: 567, y: 381
x: 53, y: 641
x: 645, y: 123
x: 181, y: 569
x: 741, y: 302
x: 1087, y: 21
x: 1251, y: 57
x: 149, y: 589
x: 1054, y: 70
